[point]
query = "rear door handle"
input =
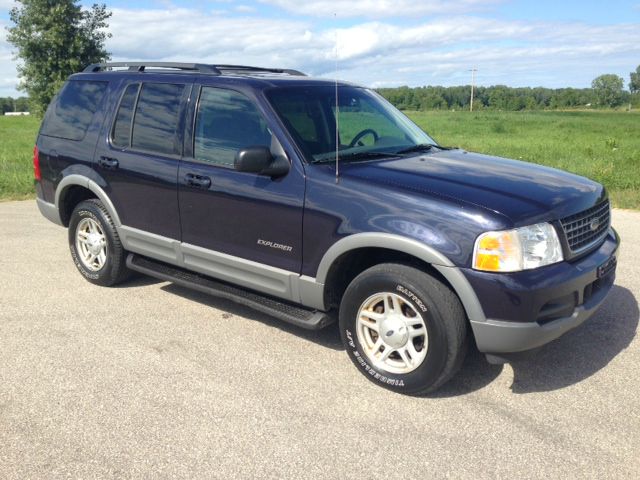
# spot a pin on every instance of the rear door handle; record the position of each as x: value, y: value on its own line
x: 108, y: 163
x: 197, y: 181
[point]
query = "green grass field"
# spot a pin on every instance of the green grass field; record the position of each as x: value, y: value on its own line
x: 17, y: 138
x: 604, y: 146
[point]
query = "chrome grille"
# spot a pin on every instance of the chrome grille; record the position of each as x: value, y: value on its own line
x: 586, y: 228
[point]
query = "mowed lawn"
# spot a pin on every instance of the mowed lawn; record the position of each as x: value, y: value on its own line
x: 604, y: 146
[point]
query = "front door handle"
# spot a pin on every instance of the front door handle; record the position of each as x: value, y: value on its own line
x: 108, y: 163
x: 197, y: 181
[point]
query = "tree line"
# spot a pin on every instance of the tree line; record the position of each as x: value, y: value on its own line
x: 9, y: 104
x: 607, y: 91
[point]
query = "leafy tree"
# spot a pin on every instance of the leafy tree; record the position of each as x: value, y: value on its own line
x: 608, y: 90
x: 634, y: 83
x: 53, y: 40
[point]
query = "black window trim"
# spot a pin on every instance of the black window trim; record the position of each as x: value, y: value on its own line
x: 115, y: 116
x: 183, y: 111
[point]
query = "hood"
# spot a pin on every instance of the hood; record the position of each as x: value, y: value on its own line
x: 521, y: 191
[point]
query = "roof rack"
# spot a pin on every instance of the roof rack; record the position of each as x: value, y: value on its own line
x: 195, y: 67
x: 248, y: 69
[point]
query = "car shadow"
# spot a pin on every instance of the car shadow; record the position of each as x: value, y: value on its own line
x: 572, y: 358
x: 138, y: 280
x: 582, y: 352
x: 475, y: 374
x: 327, y: 337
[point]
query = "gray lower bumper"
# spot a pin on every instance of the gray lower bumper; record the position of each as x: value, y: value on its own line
x: 495, y: 336
x: 49, y: 211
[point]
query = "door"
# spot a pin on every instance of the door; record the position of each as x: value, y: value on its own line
x: 140, y: 158
x: 241, y: 225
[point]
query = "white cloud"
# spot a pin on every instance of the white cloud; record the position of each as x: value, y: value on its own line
x: 6, y: 5
x: 8, y: 74
x: 245, y: 9
x: 375, y: 53
x: 379, y: 38
x: 212, y: 38
x: 379, y: 8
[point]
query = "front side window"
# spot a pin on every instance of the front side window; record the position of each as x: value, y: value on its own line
x: 226, y: 122
x: 368, y: 126
x: 71, y: 112
x: 157, y: 118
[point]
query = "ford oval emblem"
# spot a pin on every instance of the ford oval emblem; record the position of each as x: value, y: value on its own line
x: 595, y: 223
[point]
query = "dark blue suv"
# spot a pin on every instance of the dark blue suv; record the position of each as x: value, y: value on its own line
x: 313, y: 200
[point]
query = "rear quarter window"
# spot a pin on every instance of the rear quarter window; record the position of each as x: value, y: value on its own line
x: 70, y: 113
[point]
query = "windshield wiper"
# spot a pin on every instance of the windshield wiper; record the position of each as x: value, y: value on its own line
x: 422, y: 147
x: 355, y: 156
x: 366, y: 155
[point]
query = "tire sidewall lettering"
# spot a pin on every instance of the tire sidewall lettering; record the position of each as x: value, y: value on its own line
x: 381, y: 377
x: 407, y: 293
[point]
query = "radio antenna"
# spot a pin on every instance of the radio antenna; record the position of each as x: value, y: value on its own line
x: 337, y: 106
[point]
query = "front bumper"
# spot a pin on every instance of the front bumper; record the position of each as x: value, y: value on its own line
x: 525, y: 310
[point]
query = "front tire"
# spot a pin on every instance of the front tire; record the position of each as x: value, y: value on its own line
x: 403, y: 329
x: 95, y: 245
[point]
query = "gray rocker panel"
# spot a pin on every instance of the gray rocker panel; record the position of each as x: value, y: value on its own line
x: 252, y: 275
x: 280, y: 283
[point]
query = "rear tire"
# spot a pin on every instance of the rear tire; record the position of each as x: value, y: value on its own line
x: 95, y: 245
x: 403, y: 329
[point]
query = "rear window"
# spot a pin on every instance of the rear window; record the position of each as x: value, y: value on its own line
x: 71, y: 112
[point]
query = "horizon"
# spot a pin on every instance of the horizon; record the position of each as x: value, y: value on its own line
x: 381, y: 43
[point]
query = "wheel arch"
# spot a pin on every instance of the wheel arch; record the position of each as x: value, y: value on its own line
x: 69, y: 185
x: 353, y: 254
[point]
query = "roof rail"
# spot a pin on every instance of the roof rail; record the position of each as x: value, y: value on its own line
x: 196, y: 67
x: 140, y: 66
x: 248, y: 69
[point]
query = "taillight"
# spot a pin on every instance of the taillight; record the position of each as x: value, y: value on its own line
x: 36, y: 164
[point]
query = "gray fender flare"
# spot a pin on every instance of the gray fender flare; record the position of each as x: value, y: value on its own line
x: 414, y: 248
x: 81, y: 180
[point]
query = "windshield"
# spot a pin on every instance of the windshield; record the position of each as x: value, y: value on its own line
x: 368, y: 126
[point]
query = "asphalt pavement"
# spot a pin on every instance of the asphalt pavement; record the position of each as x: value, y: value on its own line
x: 150, y: 380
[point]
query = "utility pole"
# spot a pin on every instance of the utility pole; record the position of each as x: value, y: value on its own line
x: 473, y: 81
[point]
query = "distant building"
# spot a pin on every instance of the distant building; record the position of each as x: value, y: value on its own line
x: 13, y: 114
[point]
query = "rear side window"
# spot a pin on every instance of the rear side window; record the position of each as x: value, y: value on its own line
x: 71, y: 112
x: 157, y: 118
x: 121, y: 135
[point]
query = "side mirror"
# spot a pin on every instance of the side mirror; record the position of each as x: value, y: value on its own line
x: 260, y: 160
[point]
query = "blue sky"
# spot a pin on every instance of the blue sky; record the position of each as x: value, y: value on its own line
x: 381, y: 42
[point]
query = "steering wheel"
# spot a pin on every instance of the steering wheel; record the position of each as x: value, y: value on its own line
x: 358, y: 137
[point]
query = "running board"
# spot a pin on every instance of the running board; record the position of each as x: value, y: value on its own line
x: 288, y: 312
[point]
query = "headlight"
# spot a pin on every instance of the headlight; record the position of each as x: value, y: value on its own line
x: 519, y: 249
